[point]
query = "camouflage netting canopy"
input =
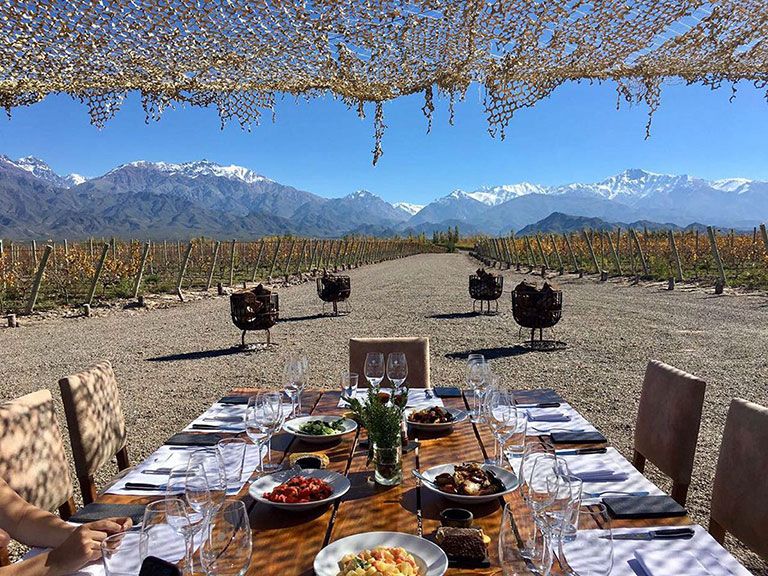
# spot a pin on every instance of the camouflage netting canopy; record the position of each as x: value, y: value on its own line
x: 237, y: 55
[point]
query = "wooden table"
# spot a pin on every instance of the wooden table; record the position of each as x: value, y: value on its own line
x: 286, y: 543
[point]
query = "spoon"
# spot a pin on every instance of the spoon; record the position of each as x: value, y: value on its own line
x: 424, y: 479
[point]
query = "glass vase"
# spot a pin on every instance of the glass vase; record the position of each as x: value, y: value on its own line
x: 388, y: 464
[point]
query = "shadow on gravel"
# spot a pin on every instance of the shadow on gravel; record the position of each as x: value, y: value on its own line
x: 453, y: 315
x: 491, y: 353
x: 300, y: 318
x: 199, y: 355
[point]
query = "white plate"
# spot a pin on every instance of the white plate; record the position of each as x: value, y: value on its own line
x: 430, y: 557
x: 292, y: 427
x: 507, y: 476
x: 459, y: 416
x: 338, y: 482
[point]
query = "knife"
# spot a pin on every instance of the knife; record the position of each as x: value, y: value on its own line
x: 539, y: 405
x: 666, y: 534
x: 215, y: 427
x: 581, y: 451
x: 145, y: 486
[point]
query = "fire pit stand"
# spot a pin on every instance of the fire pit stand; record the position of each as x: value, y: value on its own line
x: 335, y: 289
x: 537, y: 309
x: 257, y: 309
x: 485, y: 288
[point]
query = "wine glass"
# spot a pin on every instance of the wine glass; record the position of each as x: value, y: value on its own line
x: 206, y: 471
x: 397, y: 371
x: 374, y: 369
x: 296, y: 374
x: 599, y: 561
x: 502, y: 413
x: 232, y: 452
x: 122, y: 553
x: 560, y: 516
x: 272, y: 420
x: 227, y: 547
x: 253, y: 427
x: 511, y: 558
x: 477, y: 372
x: 168, y: 533
x: 348, y: 385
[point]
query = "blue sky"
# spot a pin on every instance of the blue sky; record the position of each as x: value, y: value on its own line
x: 575, y: 135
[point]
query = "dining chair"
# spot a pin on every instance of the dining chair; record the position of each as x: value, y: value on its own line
x: 96, y: 424
x: 416, y: 353
x: 32, y: 457
x: 740, y: 490
x: 668, y: 421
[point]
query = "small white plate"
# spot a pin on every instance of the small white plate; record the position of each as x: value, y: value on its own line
x: 459, y: 416
x: 292, y: 427
x: 429, y: 556
x: 339, y: 483
x: 509, y: 478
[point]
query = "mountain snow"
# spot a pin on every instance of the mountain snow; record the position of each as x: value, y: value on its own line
x: 408, y: 208
x: 495, y: 195
x: 39, y: 169
x: 200, y: 168
x: 75, y: 179
x: 737, y: 185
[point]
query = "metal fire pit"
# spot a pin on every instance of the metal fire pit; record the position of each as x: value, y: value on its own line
x: 486, y: 289
x: 537, y: 309
x: 333, y: 289
x: 256, y: 309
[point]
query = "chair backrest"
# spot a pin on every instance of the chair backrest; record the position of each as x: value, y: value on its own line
x: 740, y: 491
x: 32, y: 457
x: 668, y: 421
x: 95, y: 420
x: 416, y: 353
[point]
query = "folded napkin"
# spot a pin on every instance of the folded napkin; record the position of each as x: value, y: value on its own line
x: 651, y: 506
x: 97, y: 511
x: 662, y: 563
x: 187, y: 439
x: 234, y: 400
x: 548, y: 417
x: 601, y: 475
x: 577, y: 437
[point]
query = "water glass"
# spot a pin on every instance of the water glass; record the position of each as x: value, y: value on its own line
x: 205, y: 472
x: 511, y: 556
x: 168, y: 532
x: 599, y: 561
x: 122, y: 553
x: 348, y: 384
x: 388, y: 464
x: 374, y: 368
x: 227, y: 546
x: 232, y: 452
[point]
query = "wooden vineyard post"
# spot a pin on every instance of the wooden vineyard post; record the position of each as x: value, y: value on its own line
x: 716, y: 256
x: 301, y: 257
x: 572, y: 253
x: 322, y: 259
x: 232, y: 263
x: 312, y: 254
x: 591, y: 251
x: 531, y: 255
x: 34, y: 253
x: 541, y: 251
x: 336, y: 258
x: 615, y: 254
x: 640, y: 252
x: 557, y: 253
x: 258, y: 260
x: 183, y: 270
x: 274, y: 257
x: 764, y: 234
x: 66, y: 249
x: 97, y: 274
x: 515, y: 253
x: 618, y: 243
x: 140, y: 273
x: 90, y: 247
x: 675, y: 255
x: 38, y: 278
x: 178, y: 252
x: 216, y: 248
x: 165, y: 253
x: 287, y: 265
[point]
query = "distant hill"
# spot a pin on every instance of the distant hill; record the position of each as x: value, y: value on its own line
x: 559, y: 223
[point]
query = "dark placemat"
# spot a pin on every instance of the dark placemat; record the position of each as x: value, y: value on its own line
x: 234, y: 400
x: 189, y: 439
x: 447, y: 392
x: 577, y: 437
x: 96, y: 511
x: 661, y: 506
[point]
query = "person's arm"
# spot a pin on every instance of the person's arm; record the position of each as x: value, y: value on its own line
x: 29, y: 524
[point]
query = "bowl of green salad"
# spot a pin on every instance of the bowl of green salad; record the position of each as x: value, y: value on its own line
x: 319, y: 429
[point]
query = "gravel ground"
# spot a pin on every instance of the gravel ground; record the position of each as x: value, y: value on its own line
x: 612, y: 330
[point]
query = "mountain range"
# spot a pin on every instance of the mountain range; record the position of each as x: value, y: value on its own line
x: 165, y: 200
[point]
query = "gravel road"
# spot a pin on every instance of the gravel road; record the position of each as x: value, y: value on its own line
x: 612, y: 330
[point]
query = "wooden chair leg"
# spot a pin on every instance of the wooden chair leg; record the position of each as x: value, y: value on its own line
x: 680, y: 493
x: 716, y: 530
x: 638, y: 461
x: 88, y: 489
x: 122, y: 459
x: 67, y: 509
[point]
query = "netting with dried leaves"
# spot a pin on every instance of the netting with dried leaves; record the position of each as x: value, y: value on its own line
x: 237, y: 55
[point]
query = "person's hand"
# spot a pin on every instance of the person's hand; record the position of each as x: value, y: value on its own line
x: 5, y: 539
x: 84, y: 544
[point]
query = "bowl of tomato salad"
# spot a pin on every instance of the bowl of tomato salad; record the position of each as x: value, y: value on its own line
x: 298, y: 491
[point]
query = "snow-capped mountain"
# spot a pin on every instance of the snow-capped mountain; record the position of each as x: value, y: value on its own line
x: 201, y: 168
x: 495, y: 195
x: 39, y: 169
x: 408, y: 208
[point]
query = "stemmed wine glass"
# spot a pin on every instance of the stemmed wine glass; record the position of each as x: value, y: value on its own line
x: 263, y: 418
x: 296, y: 374
x: 397, y: 371
x: 374, y: 369
x: 227, y: 547
x: 167, y: 532
x: 348, y: 385
x: 273, y: 419
x: 477, y: 371
x: 206, y: 475
x: 188, y: 518
x: 502, y: 418
x: 599, y: 561
x: 513, y: 561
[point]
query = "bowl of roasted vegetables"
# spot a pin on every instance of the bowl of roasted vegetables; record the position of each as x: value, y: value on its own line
x: 434, y: 418
x: 470, y: 483
x: 320, y: 429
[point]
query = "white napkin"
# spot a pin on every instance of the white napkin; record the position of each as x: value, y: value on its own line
x: 222, y: 418
x: 548, y: 417
x: 662, y: 563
